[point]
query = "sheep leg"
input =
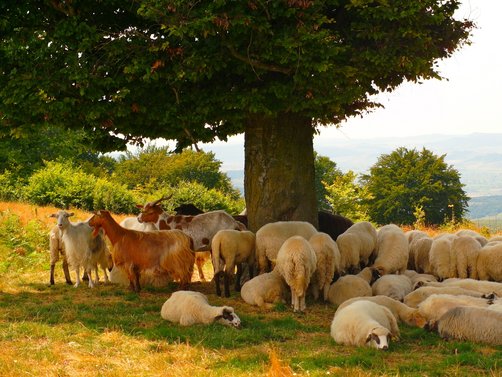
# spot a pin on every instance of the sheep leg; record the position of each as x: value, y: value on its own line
x: 217, y: 283
x: 52, y: 274
x: 226, y: 281
x: 238, y: 278
x: 66, y: 272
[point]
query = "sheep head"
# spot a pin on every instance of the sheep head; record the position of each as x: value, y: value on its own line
x: 379, y: 338
x: 228, y: 317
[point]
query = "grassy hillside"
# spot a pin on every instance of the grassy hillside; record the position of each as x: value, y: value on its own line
x: 109, y: 331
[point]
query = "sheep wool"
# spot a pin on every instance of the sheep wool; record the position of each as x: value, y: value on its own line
x: 442, y: 257
x: 489, y: 262
x: 463, y: 323
x: 357, y: 245
x: 265, y: 290
x: 189, y: 308
x: 394, y: 286
x: 350, y: 286
x: 364, y: 323
x: 392, y: 250
x: 296, y: 263
x: 466, y: 249
x: 328, y: 263
x: 413, y: 299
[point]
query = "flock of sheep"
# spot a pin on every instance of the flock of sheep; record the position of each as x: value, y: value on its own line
x: 376, y: 278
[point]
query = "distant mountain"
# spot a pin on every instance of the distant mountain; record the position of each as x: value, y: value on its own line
x: 485, y: 206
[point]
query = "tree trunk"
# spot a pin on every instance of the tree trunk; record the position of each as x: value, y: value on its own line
x: 279, y: 170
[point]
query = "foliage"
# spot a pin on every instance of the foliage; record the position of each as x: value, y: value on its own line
x: 10, y: 186
x: 63, y: 185
x: 155, y: 167
x: 347, y: 197
x: 404, y: 180
x: 326, y: 172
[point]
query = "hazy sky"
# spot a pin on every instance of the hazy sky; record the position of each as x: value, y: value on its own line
x: 468, y: 100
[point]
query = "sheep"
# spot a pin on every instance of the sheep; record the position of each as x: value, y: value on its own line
x: 411, y: 236
x: 230, y: 248
x: 296, y: 263
x: 163, y: 252
x: 474, y: 324
x: 442, y: 258
x: 118, y: 275
x: 364, y: 323
x: 265, y: 290
x: 418, y: 278
x: 402, y: 312
x: 356, y: 246
x: 466, y: 249
x: 471, y: 233
x: 328, y: 263
x: 394, y: 286
x: 413, y: 299
x: 419, y: 249
x: 81, y: 248
x: 188, y: 308
x: 271, y: 236
x: 350, y: 286
x: 332, y: 224
x: 392, y: 250
x: 489, y: 262
x: 56, y: 247
x: 482, y: 286
x: 434, y: 306
x: 135, y: 224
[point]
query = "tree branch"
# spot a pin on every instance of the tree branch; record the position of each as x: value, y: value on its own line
x: 257, y: 64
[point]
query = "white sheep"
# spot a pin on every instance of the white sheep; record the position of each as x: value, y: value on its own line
x: 489, y: 262
x: 56, y: 247
x: 230, y: 248
x: 411, y: 236
x: 271, y: 236
x: 417, y: 278
x: 350, y: 286
x: 118, y: 275
x: 480, y: 325
x: 82, y: 249
x: 189, y: 307
x: 392, y: 250
x: 296, y: 263
x: 481, y: 286
x: 434, y: 306
x: 328, y: 263
x: 265, y: 290
x: 134, y: 224
x: 419, y: 250
x: 364, y: 323
x: 466, y: 249
x: 394, y: 286
x: 402, y: 312
x: 442, y: 257
x: 413, y: 299
x: 357, y: 245
x: 471, y: 233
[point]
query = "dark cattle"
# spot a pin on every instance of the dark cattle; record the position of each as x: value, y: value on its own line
x: 188, y: 209
x: 333, y: 224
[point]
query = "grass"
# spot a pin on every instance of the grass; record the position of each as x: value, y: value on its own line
x: 109, y: 331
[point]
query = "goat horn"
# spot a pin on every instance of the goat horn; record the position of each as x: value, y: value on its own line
x: 161, y: 199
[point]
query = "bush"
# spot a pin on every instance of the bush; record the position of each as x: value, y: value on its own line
x: 113, y: 197
x: 10, y: 187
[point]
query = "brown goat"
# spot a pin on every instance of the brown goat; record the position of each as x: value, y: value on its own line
x: 163, y: 252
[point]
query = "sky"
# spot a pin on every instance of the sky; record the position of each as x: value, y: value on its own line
x: 468, y: 100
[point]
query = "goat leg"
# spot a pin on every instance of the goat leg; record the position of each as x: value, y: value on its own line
x: 66, y: 272
x: 217, y: 283
x: 136, y: 271
x: 52, y: 274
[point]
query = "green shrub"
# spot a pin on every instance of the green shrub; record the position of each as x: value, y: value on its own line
x: 113, y: 197
x: 10, y: 187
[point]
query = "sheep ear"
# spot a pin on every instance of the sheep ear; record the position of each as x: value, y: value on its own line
x: 53, y: 215
x: 373, y: 336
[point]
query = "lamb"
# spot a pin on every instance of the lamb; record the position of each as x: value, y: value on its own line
x: 434, y: 306
x: 364, y: 323
x: 265, y: 290
x: 162, y: 252
x: 413, y: 299
x: 188, y: 308
x: 489, y: 262
x: 466, y: 249
x: 82, y: 249
x: 356, y: 246
x: 328, y: 263
x: 350, y: 286
x: 442, y: 257
x: 392, y: 250
x: 56, y: 247
x: 402, y: 312
x: 463, y: 323
x: 230, y: 248
x: 296, y: 263
x: 271, y: 236
x: 394, y: 286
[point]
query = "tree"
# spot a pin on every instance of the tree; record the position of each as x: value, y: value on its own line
x: 326, y: 173
x: 406, y: 182
x: 196, y: 71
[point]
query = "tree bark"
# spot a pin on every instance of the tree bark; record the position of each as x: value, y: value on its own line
x: 279, y: 170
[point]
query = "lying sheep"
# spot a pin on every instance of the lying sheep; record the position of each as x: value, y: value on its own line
x: 402, y: 312
x: 328, y: 263
x: 350, y: 286
x: 270, y: 237
x: 230, y: 248
x: 364, y: 323
x: 296, y: 263
x: 418, y: 278
x: 466, y: 249
x: 152, y: 278
x: 394, y: 286
x: 489, y: 262
x: 434, y: 306
x: 356, y: 246
x: 413, y: 299
x: 189, y: 307
x: 442, y: 257
x: 481, y: 286
x: 463, y: 323
x: 392, y: 250
x: 265, y: 290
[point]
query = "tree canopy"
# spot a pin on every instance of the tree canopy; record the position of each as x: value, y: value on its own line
x: 195, y: 71
x: 406, y: 180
